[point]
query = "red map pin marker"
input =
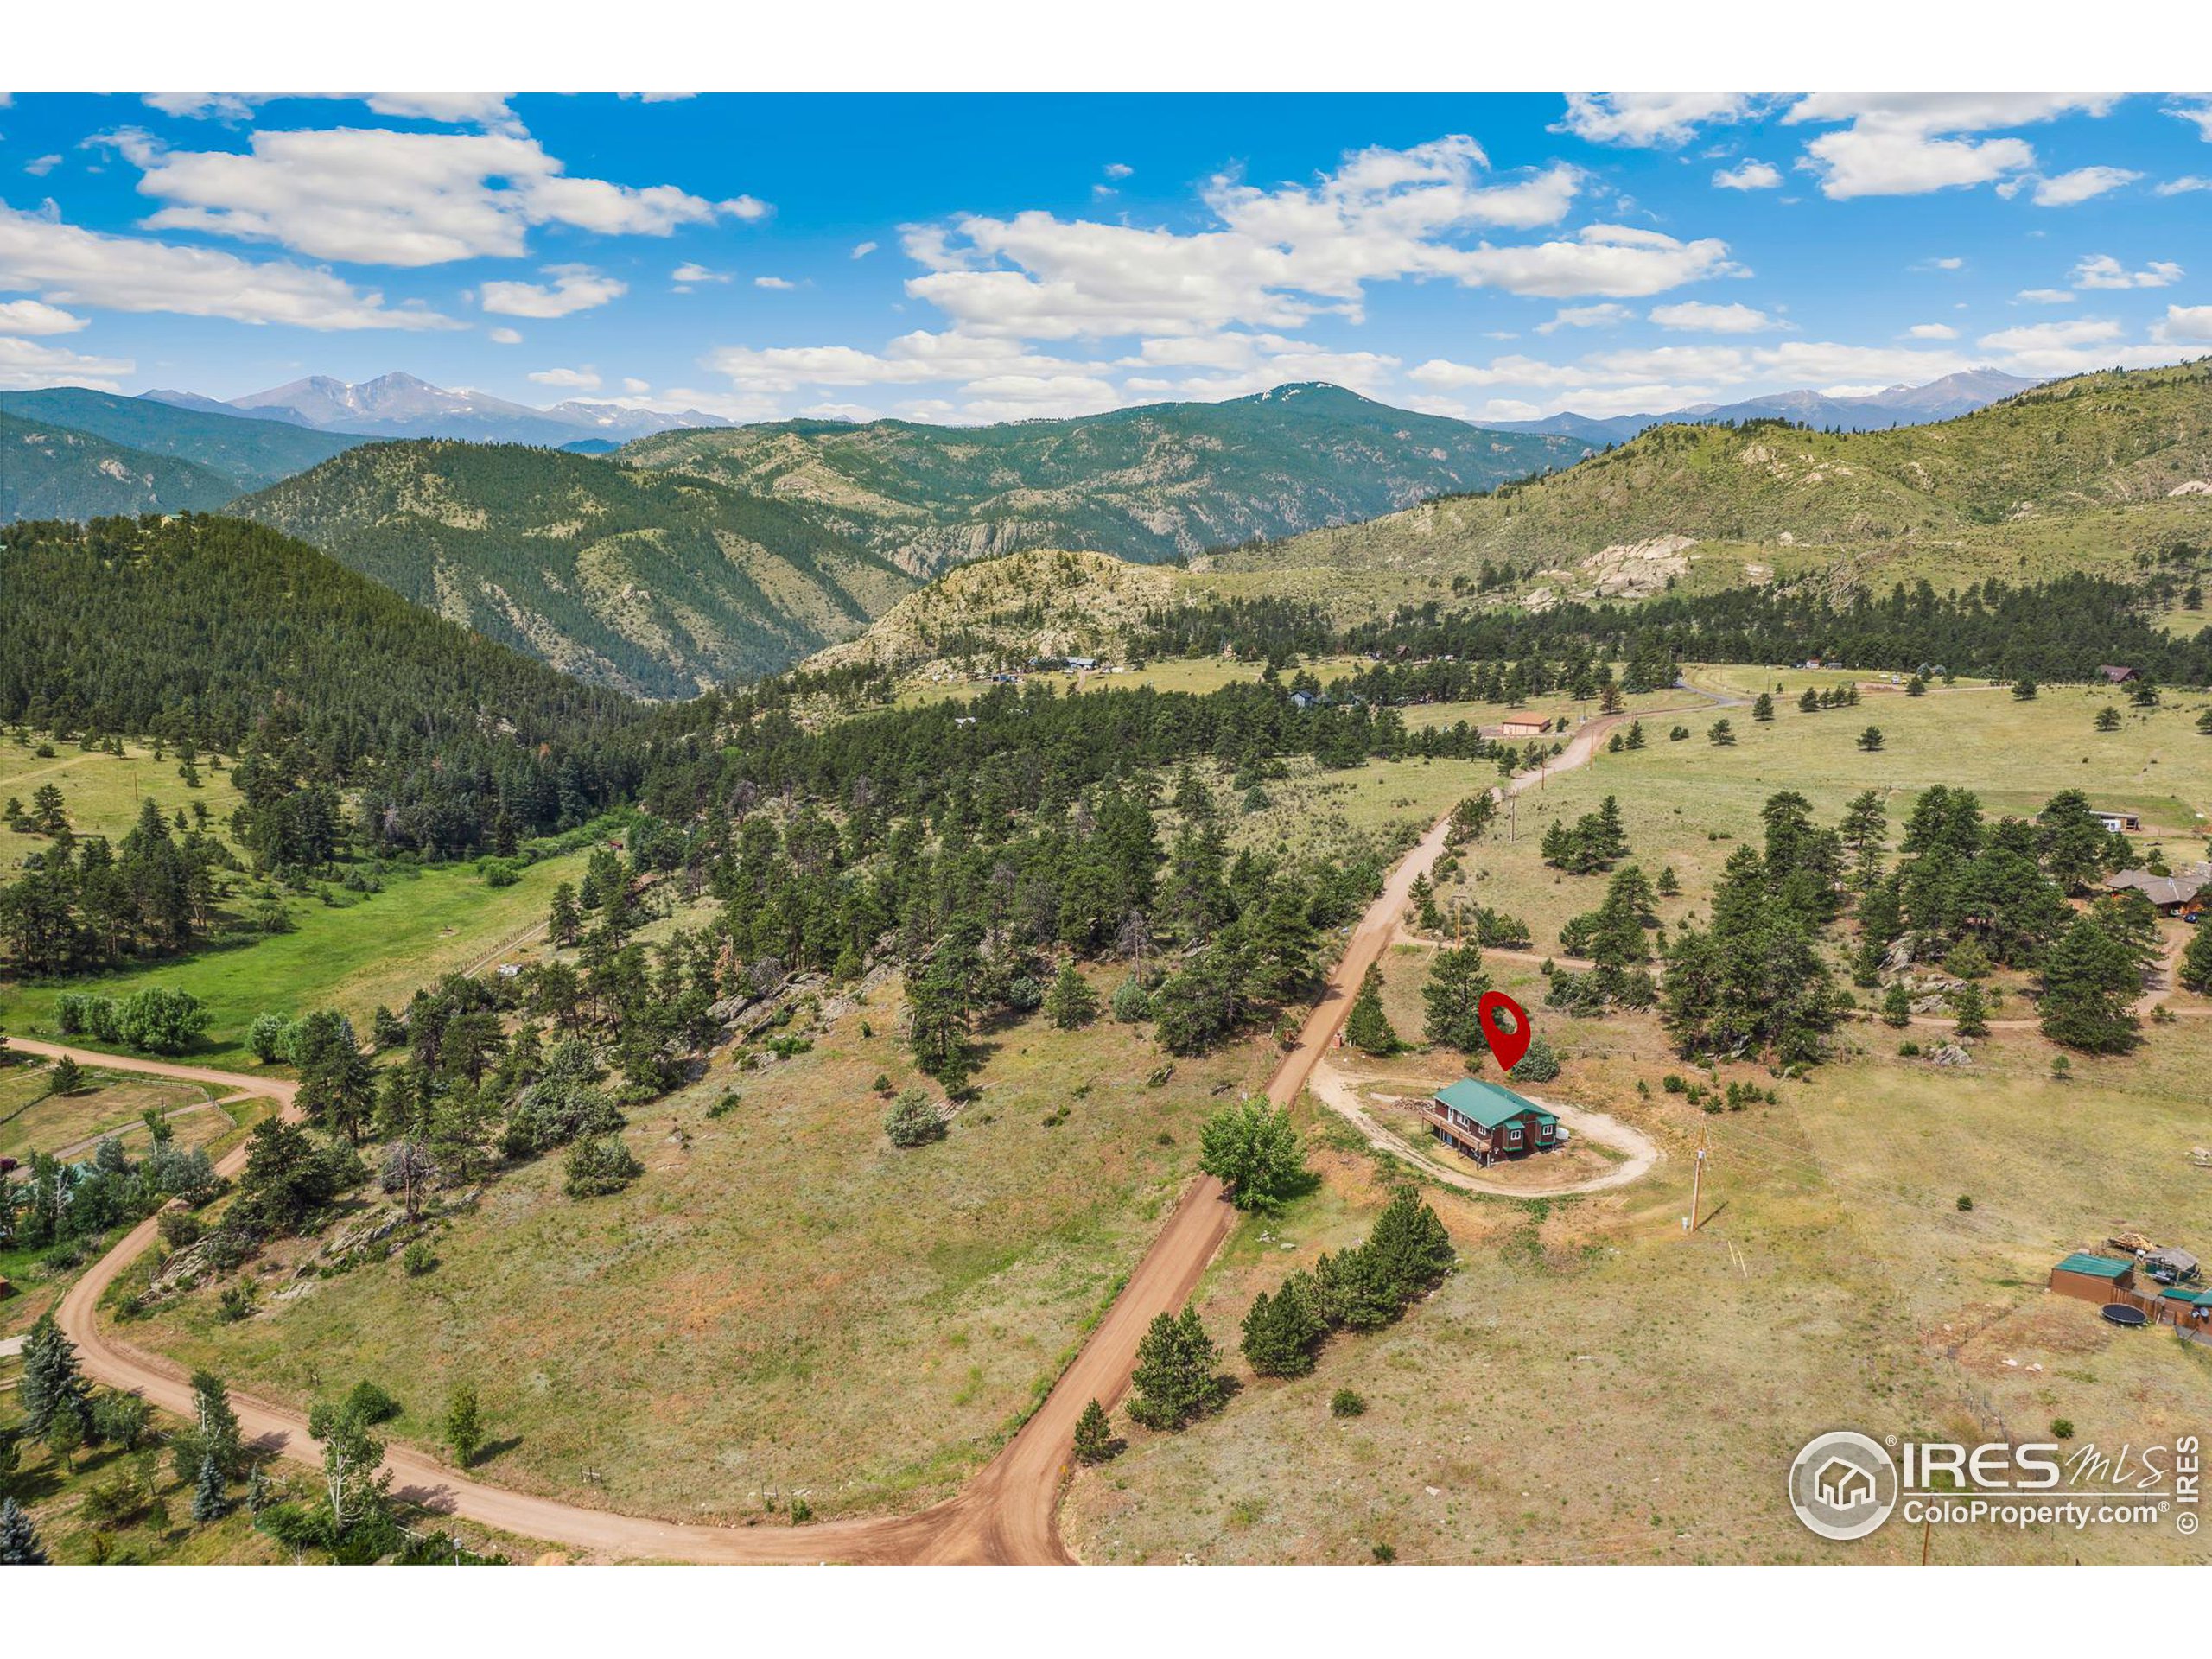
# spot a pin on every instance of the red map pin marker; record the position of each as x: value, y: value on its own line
x: 1507, y: 1045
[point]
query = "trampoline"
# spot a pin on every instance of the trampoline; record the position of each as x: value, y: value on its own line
x: 2122, y: 1313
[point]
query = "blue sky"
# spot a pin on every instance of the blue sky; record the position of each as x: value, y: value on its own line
x: 964, y: 258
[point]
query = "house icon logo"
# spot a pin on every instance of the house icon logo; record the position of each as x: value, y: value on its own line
x: 1843, y: 1485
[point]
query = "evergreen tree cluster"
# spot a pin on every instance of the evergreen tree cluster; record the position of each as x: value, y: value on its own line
x: 1363, y: 1288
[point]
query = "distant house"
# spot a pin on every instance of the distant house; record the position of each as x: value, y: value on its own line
x: 2173, y: 895
x: 1083, y: 662
x: 1519, y: 727
x: 2116, y: 675
x: 1303, y: 701
x: 1487, y: 1123
x: 2117, y: 821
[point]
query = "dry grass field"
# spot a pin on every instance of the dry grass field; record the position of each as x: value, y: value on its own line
x: 1594, y: 1384
x: 783, y: 1305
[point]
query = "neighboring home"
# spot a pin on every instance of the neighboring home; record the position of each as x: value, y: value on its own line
x: 2116, y: 675
x: 2117, y: 821
x: 1303, y: 701
x: 1085, y: 662
x: 1523, y: 726
x: 2173, y: 895
x: 1486, y: 1121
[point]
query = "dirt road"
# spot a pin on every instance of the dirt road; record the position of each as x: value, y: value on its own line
x: 1008, y: 1513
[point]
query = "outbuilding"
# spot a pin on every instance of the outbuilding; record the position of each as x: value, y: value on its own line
x: 2092, y: 1278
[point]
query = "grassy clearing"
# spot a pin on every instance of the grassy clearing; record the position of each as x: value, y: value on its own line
x: 1690, y: 803
x: 102, y: 792
x: 351, y: 954
x: 782, y: 1306
x: 32, y: 1119
x: 1593, y: 1384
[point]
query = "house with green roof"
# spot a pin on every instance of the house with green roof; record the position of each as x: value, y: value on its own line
x: 1486, y: 1121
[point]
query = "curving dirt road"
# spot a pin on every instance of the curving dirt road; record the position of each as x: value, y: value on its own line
x: 1008, y: 1514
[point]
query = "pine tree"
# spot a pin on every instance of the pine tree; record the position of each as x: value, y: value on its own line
x: 1897, y: 1006
x: 213, y: 1431
x: 51, y: 1386
x: 1763, y: 708
x: 1635, y: 734
x: 19, y: 1544
x: 1721, y: 733
x: 1970, y: 1009
x: 1071, y: 1004
x: 1808, y: 702
x: 1409, y: 1245
x: 1176, y: 1380
x: 2089, y: 978
x: 209, y: 1503
x: 1451, y: 999
x: 1871, y: 739
x: 2197, y: 961
x: 464, y: 1425
x: 1095, y: 1441
x: 1282, y: 1332
x: 1367, y: 1027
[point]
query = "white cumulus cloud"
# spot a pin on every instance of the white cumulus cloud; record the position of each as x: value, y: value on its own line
x: 2102, y: 270
x: 378, y: 196
x: 574, y: 288
x: 35, y: 317
x: 1910, y: 143
x: 1752, y: 175
x: 2083, y: 184
x: 67, y: 264
x: 26, y: 364
x: 1697, y: 316
x: 584, y: 379
x: 1645, y: 120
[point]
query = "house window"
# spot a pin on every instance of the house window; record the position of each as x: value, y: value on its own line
x: 1513, y: 1135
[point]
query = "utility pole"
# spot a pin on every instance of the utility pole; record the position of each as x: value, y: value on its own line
x: 1697, y: 1187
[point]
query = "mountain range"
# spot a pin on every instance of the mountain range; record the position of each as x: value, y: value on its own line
x: 1938, y: 400
x: 1156, y: 483
x: 2110, y: 471
x: 402, y: 406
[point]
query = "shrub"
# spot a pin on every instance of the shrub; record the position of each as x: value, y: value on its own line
x: 2062, y: 1428
x: 1346, y: 1403
x: 371, y: 1403
x: 270, y: 1037
x: 599, y: 1166
x: 161, y: 1019
x: 1131, y: 1001
x: 1252, y: 1149
x: 1965, y: 1203
x: 913, y: 1119
x: 1539, y: 1065
x: 1673, y: 1083
x: 419, y: 1258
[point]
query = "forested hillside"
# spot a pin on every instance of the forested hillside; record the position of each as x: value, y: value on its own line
x: 218, y: 634
x: 1150, y: 484
x: 658, y: 585
x: 49, y: 471
x: 247, y: 454
x: 2063, y: 476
